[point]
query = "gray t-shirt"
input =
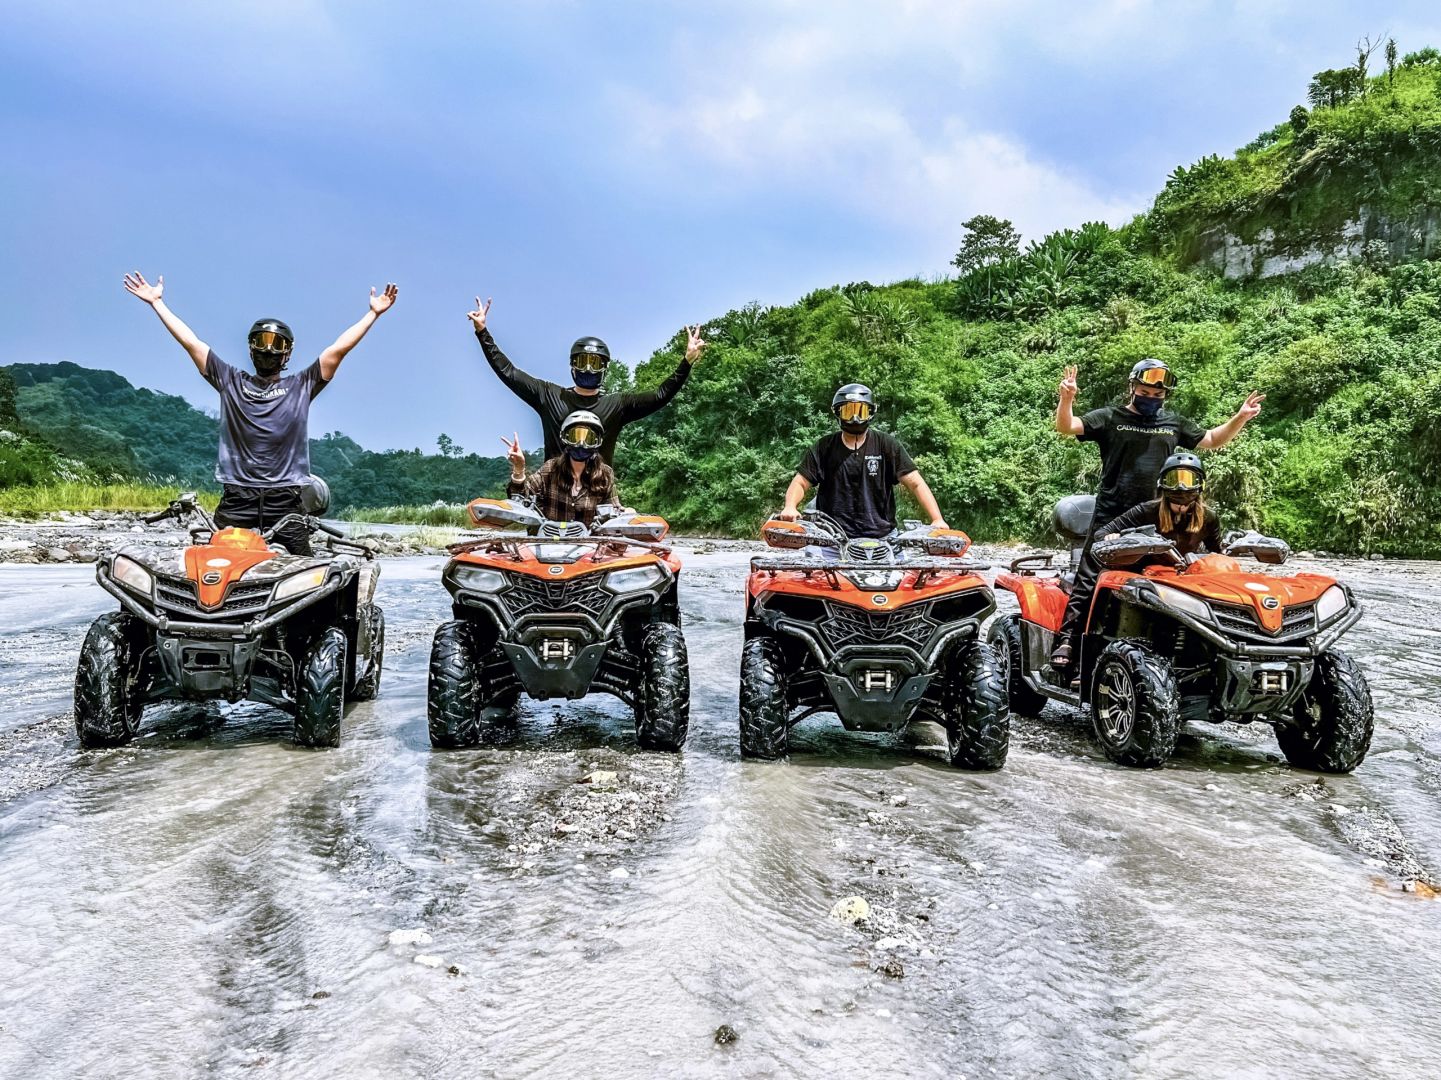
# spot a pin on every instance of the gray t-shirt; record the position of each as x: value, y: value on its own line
x: 264, y: 426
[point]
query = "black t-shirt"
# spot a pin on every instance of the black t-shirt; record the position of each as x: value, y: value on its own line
x: 858, y: 487
x: 1133, y: 449
x: 1149, y: 513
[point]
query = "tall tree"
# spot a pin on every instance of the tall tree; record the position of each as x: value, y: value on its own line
x: 1390, y: 62
x: 986, y: 240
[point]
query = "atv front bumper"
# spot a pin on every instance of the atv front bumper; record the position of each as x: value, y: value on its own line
x: 555, y: 661
x: 876, y: 692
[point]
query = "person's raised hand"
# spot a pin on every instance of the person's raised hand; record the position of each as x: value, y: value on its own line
x: 477, y: 317
x: 1251, y: 407
x: 380, y: 304
x: 789, y: 513
x: 1068, y: 382
x: 136, y: 285
x: 694, y: 344
x: 514, y: 454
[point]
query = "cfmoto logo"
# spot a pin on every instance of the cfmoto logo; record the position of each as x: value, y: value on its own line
x: 880, y: 599
x: 211, y: 577
x: 556, y: 571
x: 1270, y: 603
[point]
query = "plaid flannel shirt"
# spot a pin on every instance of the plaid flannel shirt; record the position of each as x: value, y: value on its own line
x: 550, y: 487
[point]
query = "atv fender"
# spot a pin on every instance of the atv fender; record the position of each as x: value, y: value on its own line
x: 1042, y: 600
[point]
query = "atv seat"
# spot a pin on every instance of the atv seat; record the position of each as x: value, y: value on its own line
x: 1072, y: 520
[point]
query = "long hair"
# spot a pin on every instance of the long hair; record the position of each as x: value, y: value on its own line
x: 1190, y: 522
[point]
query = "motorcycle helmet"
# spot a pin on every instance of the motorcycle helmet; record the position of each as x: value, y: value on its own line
x: 581, y: 433
x: 855, y: 407
x: 589, y: 357
x: 1183, y: 479
x: 270, y: 342
x: 1153, y: 372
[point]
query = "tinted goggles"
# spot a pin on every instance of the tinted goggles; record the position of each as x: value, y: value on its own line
x: 269, y: 341
x: 580, y: 435
x: 855, y: 412
x: 1157, y: 376
x: 588, y: 362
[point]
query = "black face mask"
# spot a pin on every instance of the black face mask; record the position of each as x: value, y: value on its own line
x: 855, y: 427
x: 1147, y: 406
x: 268, y: 363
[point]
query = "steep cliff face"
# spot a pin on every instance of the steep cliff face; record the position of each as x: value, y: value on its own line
x: 1374, y: 235
x: 1356, y: 179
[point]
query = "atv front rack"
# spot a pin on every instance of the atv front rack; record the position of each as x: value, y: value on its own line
x: 510, y: 543
x: 924, y: 568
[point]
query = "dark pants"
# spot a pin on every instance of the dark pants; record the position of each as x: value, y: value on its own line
x: 259, y: 509
x: 1082, y: 590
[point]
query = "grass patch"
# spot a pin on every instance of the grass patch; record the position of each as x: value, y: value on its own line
x: 35, y: 499
x: 447, y: 516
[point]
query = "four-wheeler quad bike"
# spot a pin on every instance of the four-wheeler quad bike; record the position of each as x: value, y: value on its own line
x: 228, y: 618
x: 559, y: 611
x: 1195, y: 638
x: 880, y: 632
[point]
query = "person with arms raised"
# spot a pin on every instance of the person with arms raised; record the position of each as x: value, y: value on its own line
x: 589, y: 359
x: 264, y: 460
x: 1135, y: 440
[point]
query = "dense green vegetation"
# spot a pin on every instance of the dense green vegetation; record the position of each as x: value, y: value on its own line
x: 1342, y: 457
x: 29, y: 500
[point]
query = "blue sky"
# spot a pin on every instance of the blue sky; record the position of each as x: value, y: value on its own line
x: 609, y: 168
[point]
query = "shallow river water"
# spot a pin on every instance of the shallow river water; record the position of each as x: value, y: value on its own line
x: 213, y: 902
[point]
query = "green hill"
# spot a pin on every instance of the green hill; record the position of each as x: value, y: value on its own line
x: 67, y: 422
x: 1347, y: 346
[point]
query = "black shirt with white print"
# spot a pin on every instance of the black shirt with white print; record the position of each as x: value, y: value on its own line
x: 1133, y: 449
x: 858, y: 487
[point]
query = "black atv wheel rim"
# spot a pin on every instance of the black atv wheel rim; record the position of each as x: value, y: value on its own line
x: 1117, y: 704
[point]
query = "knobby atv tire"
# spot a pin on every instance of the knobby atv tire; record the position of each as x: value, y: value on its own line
x: 320, y: 693
x: 1010, y: 651
x: 765, y: 716
x: 1147, y: 737
x: 663, y: 715
x: 1331, y: 723
x: 368, y: 684
x: 453, y: 697
x: 109, y: 695
x: 979, y: 732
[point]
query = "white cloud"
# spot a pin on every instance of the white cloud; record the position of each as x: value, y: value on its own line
x: 862, y: 112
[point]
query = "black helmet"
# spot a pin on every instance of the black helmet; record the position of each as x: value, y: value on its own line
x: 582, y: 430
x: 854, y: 407
x: 270, y: 342
x: 590, y: 346
x: 1162, y: 376
x: 1183, y: 478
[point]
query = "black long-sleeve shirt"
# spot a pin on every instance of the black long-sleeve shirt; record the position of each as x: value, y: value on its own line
x: 1149, y: 513
x: 553, y: 402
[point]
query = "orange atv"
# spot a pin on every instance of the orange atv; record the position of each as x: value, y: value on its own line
x: 232, y: 618
x: 1171, y: 638
x: 559, y: 611
x: 880, y: 632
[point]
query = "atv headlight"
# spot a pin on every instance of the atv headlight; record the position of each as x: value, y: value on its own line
x: 634, y: 578
x: 298, y: 584
x: 875, y: 580
x: 478, y: 579
x: 1333, y: 601
x: 1184, y: 602
x: 132, y: 575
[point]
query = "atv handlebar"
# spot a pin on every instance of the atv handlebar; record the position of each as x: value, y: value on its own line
x: 152, y: 519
